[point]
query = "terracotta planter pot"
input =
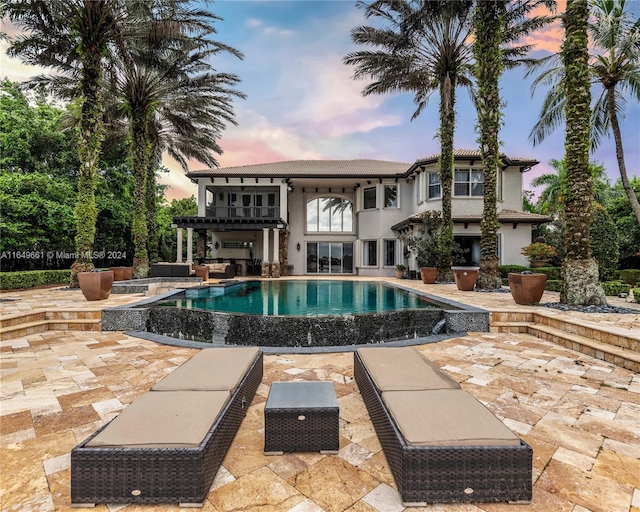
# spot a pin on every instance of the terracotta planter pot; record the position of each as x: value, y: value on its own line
x: 465, y: 277
x: 539, y: 263
x: 428, y: 274
x: 95, y: 285
x: 118, y: 273
x: 527, y: 289
x: 399, y: 274
x: 127, y: 273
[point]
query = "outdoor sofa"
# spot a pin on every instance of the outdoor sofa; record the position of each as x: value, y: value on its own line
x: 221, y: 270
x: 167, y: 446
x: 163, y: 269
x: 442, y: 444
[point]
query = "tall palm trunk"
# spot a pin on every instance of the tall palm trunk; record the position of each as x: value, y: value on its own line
x: 488, y: 69
x: 151, y: 208
x: 580, y: 270
x: 447, y: 129
x: 615, y: 127
x: 90, y: 137
x: 139, y: 160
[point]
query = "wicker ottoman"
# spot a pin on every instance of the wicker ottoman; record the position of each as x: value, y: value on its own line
x: 301, y: 416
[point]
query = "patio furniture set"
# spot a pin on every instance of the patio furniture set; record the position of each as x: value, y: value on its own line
x: 442, y: 445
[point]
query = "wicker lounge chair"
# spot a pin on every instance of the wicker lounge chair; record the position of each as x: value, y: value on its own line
x: 167, y: 446
x: 442, y: 445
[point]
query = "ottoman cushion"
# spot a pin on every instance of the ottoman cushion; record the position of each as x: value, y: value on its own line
x: 446, y: 417
x: 174, y: 419
x: 403, y: 368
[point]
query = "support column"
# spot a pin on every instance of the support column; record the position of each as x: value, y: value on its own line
x: 266, y: 265
x: 275, y: 267
x: 189, y: 245
x: 179, y: 247
x: 201, y: 244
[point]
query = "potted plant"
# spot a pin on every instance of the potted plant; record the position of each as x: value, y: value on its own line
x: 95, y: 285
x: 527, y: 287
x: 424, y: 246
x: 539, y: 254
x: 400, y: 268
x: 465, y: 277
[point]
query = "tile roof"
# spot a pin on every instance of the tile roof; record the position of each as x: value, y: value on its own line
x: 462, y: 154
x: 504, y: 216
x: 310, y: 168
x: 343, y: 168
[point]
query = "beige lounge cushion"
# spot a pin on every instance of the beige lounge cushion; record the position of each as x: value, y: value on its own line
x: 403, y: 368
x: 218, y: 267
x: 446, y: 417
x: 211, y: 369
x: 175, y: 419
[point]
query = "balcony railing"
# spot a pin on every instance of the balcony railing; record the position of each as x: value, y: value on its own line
x: 244, y: 212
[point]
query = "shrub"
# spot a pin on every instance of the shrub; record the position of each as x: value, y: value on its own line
x: 553, y: 273
x: 604, y: 243
x: 615, y: 288
x: 505, y: 269
x: 636, y: 294
x: 539, y: 251
x: 630, y: 276
x: 553, y: 285
x: 31, y: 278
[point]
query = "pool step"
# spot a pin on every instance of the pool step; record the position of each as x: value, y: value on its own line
x: 24, y: 324
x: 610, y: 344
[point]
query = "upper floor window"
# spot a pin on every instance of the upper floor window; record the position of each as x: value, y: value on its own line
x: 329, y: 214
x: 434, y: 185
x: 369, y: 198
x: 391, y: 196
x: 468, y: 182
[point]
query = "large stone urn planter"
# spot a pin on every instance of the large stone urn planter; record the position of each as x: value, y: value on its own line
x: 539, y: 263
x: 95, y: 285
x: 118, y: 273
x: 527, y: 289
x: 428, y: 274
x: 465, y: 277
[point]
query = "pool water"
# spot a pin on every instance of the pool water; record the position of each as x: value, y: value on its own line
x: 301, y: 298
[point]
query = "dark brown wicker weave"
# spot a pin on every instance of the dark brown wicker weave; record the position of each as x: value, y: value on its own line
x: 160, y: 475
x: 428, y: 474
x: 303, y: 428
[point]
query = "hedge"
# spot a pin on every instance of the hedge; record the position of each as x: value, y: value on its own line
x: 636, y: 294
x: 553, y: 285
x: 629, y: 275
x: 31, y: 278
x: 505, y: 269
x: 615, y: 288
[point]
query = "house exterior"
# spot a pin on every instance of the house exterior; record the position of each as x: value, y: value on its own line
x: 323, y: 217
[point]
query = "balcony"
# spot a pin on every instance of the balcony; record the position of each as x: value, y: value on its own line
x: 227, y: 218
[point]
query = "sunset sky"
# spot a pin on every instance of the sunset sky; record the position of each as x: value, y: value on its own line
x: 303, y: 104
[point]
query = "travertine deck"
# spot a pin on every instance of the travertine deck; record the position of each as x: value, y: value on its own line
x: 581, y: 415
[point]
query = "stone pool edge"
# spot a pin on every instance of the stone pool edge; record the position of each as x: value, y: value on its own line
x: 134, y: 319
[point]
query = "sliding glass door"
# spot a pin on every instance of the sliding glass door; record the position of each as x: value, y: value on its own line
x: 329, y: 258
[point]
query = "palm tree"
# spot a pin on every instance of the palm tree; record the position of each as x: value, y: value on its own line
x: 174, y: 101
x: 551, y: 199
x: 580, y: 270
x: 73, y: 36
x: 424, y: 48
x: 614, y: 65
x: 488, y: 68
x: 498, y: 25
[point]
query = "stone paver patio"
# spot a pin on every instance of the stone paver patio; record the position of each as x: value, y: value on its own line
x: 581, y: 415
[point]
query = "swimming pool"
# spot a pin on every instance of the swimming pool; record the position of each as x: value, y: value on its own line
x: 305, y: 298
x: 180, y: 316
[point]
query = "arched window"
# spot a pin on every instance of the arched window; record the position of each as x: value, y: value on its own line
x: 326, y: 214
